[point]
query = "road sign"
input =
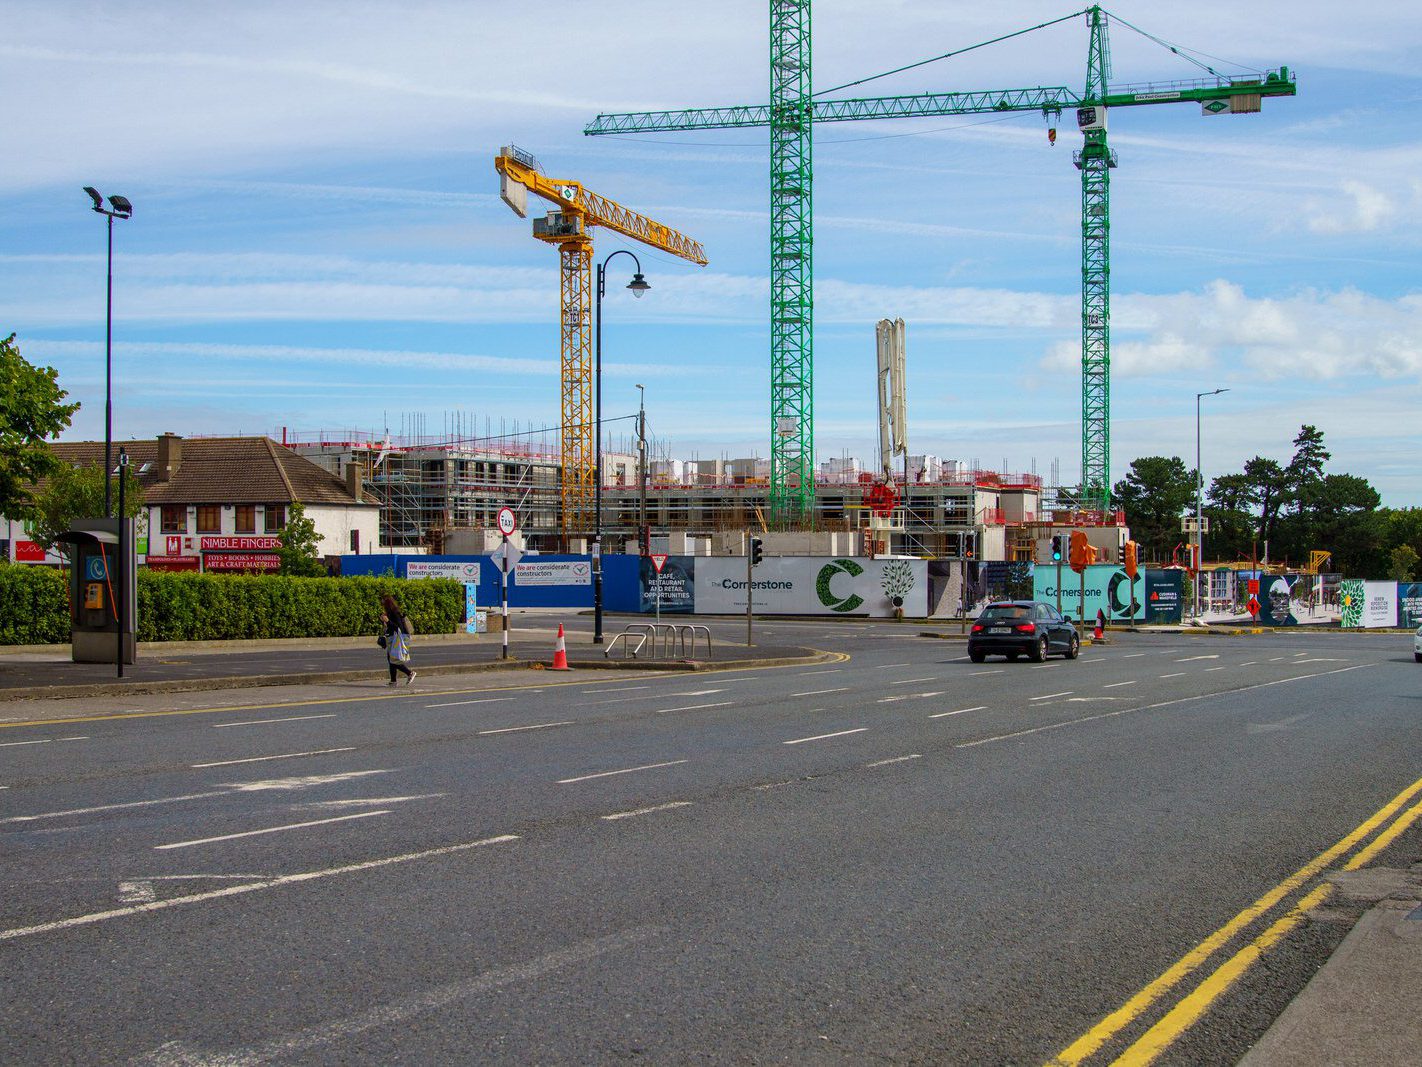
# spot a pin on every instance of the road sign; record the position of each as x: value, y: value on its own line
x: 659, y: 561
x: 508, y: 523
x: 1253, y: 584
x: 508, y: 551
x: 1253, y: 606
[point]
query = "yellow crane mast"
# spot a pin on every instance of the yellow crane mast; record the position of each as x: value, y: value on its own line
x: 569, y: 227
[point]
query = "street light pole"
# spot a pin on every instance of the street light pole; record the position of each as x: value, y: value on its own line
x: 1199, y: 492
x: 119, y: 208
x: 638, y: 285
x: 644, y: 532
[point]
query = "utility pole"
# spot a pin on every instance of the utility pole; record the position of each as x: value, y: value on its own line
x: 644, y: 535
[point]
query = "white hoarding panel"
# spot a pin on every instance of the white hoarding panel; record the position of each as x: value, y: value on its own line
x: 1379, y: 604
x: 796, y: 585
x: 573, y: 572
x: 460, y: 572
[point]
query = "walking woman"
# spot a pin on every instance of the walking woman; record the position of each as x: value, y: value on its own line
x: 395, y: 636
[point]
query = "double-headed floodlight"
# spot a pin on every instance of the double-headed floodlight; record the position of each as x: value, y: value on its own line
x: 120, y: 207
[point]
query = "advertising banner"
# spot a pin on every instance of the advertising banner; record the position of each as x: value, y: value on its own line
x: 1368, y: 604
x: 1276, y: 603
x: 569, y: 572
x: 797, y: 585
x: 1108, y: 589
x: 675, y: 587
x: 1409, y: 604
x: 460, y: 572
x: 1165, y: 597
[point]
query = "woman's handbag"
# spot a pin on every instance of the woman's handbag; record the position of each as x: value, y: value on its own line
x: 380, y: 640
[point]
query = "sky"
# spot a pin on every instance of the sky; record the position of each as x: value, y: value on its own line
x: 318, y: 243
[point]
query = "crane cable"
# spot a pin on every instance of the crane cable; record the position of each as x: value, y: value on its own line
x: 1182, y: 51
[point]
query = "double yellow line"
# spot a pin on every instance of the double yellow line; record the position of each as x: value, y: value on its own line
x: 1191, y: 1008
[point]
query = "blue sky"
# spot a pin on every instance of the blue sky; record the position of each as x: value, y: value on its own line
x: 318, y: 241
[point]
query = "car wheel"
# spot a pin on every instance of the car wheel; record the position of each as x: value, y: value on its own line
x: 1039, y: 651
x: 1073, y: 647
x: 976, y: 656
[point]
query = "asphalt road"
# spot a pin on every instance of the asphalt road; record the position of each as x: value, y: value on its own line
x: 900, y: 857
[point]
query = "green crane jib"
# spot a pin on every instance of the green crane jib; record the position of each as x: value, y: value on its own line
x: 791, y: 115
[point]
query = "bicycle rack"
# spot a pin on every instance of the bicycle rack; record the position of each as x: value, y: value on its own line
x: 666, y: 638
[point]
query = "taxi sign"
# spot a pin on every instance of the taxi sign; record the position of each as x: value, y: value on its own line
x: 508, y: 523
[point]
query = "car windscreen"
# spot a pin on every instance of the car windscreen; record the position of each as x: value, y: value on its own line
x: 1007, y: 613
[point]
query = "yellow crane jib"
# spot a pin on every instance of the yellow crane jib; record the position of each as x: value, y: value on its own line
x: 578, y: 211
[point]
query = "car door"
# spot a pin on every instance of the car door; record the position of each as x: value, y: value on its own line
x: 1059, y: 630
x: 1043, y: 615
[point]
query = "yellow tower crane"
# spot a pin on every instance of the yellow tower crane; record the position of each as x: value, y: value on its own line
x: 570, y: 228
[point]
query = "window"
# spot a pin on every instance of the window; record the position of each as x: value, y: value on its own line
x: 246, y: 518
x: 174, y: 518
x: 275, y: 518
x: 355, y: 540
x: 209, y: 518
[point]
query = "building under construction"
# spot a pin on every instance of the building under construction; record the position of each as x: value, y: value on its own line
x: 441, y: 494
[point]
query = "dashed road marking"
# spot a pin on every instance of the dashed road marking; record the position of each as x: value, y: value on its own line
x: 263, y: 722
x: 696, y: 707
x: 822, y: 737
x: 960, y: 711
x: 271, y: 830
x: 646, y: 811
x: 1117, y: 685
x: 1049, y: 696
x: 536, y: 726
x: 895, y: 759
x: 263, y: 759
x: 625, y: 770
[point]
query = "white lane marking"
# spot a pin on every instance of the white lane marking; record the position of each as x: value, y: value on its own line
x: 1048, y: 696
x: 299, y: 1044
x: 960, y: 711
x: 1134, y: 655
x: 14, y: 744
x: 1248, y: 663
x: 696, y: 693
x: 227, y: 790
x: 136, y: 892
x: 817, y: 692
x: 1276, y: 659
x: 460, y: 703
x: 1044, y: 666
x: 319, y: 805
x: 1153, y: 707
x: 826, y: 670
x: 263, y: 722
x: 245, y: 887
x: 1209, y: 669
x: 85, y: 737
x: 1300, y: 653
x: 979, y: 674
x: 696, y: 707
x: 910, y: 681
x: 1191, y: 659
x: 896, y: 759
x: 909, y: 696
x: 262, y: 759
x: 1181, y: 674
x: 1117, y: 685
x: 1270, y: 727
x: 775, y: 785
x: 536, y: 726
x: 646, y: 811
x: 1323, y: 659
x: 625, y: 770
x: 269, y: 830
x: 886, y: 666
x: 821, y: 737
x: 620, y: 689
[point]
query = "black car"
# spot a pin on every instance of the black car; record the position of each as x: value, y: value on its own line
x: 1017, y: 627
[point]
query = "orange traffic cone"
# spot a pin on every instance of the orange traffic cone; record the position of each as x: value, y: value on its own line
x: 560, y: 653
x: 1098, y: 631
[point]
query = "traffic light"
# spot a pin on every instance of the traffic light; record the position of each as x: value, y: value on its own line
x: 1056, y: 548
x: 970, y: 545
x: 1131, y: 560
x: 1082, y: 554
x: 757, y: 551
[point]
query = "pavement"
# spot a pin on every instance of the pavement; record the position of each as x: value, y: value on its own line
x: 49, y: 671
x: 1358, y: 1007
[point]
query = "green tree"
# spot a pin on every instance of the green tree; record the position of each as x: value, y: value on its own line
x: 299, y: 544
x: 1232, y: 522
x: 1154, y: 495
x: 1404, y: 563
x: 32, y: 412
x: 1345, y: 522
x: 77, y: 493
x: 1269, y: 486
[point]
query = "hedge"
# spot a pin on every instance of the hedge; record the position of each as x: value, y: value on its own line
x: 214, y: 607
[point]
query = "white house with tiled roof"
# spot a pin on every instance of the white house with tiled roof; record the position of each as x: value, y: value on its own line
x: 221, y: 503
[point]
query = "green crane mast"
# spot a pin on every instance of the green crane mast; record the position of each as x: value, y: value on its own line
x: 791, y: 115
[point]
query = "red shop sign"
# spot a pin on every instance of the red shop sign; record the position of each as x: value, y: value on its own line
x: 28, y: 552
x: 241, y: 561
x: 240, y: 544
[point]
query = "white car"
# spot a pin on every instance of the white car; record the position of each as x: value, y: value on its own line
x: 1417, y: 645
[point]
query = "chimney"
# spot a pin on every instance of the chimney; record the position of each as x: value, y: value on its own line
x: 170, y: 456
x: 353, y: 479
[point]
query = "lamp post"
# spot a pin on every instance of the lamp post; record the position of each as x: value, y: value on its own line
x: 644, y: 532
x: 119, y: 208
x: 638, y: 285
x: 1199, y: 491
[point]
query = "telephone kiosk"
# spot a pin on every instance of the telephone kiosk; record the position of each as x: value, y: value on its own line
x: 103, y: 590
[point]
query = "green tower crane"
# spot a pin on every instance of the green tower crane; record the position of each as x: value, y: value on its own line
x: 791, y: 116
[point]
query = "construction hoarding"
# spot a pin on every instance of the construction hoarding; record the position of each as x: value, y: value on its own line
x: 789, y: 585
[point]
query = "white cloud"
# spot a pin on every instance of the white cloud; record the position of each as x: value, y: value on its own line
x: 1359, y: 208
